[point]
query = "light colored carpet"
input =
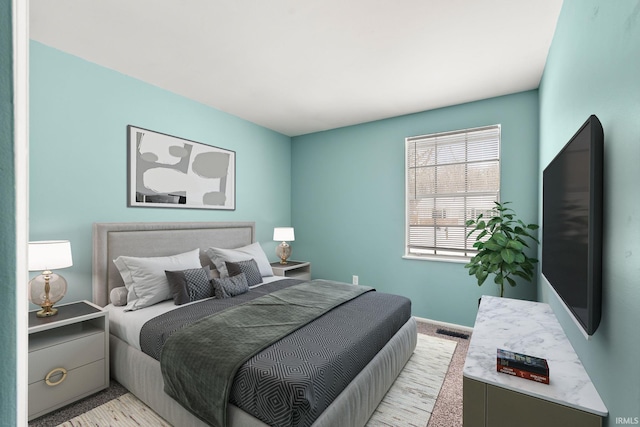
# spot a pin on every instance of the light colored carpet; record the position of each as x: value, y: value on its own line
x: 409, y: 402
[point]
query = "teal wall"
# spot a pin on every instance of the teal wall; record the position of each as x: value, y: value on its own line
x: 349, y: 207
x: 594, y: 68
x: 7, y: 225
x: 79, y: 112
x: 343, y: 189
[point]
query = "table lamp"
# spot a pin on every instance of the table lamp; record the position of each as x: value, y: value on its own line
x: 284, y: 235
x: 48, y: 288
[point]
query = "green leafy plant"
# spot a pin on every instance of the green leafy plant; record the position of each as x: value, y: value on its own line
x: 501, y: 244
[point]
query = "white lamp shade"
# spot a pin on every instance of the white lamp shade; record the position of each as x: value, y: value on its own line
x: 49, y: 255
x: 283, y: 234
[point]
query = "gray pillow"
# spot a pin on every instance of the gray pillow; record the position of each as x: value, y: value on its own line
x: 228, y: 287
x: 189, y: 285
x: 248, y: 267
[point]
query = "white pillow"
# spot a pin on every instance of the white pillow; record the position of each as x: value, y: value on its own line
x: 145, y: 279
x: 253, y: 251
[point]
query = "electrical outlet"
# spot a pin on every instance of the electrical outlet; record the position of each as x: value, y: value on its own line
x: 354, y: 280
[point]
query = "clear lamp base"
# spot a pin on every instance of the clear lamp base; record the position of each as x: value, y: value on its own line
x: 283, y: 250
x: 45, y: 290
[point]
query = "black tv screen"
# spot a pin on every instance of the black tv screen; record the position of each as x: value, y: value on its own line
x: 572, y: 224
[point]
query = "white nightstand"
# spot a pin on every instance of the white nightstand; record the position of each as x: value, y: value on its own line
x: 292, y: 269
x: 68, y: 356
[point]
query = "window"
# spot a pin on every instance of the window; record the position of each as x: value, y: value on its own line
x: 451, y: 177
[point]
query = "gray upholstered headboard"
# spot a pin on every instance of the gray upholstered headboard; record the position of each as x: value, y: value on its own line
x: 111, y: 240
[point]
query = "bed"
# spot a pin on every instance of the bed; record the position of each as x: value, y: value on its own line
x: 141, y: 373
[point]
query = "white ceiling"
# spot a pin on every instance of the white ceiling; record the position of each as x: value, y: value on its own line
x: 300, y: 66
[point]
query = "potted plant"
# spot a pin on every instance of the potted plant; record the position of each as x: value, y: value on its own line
x: 501, y: 244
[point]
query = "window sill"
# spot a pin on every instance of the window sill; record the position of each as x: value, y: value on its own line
x: 456, y: 260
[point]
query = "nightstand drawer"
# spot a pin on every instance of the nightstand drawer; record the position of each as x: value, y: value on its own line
x: 79, y: 382
x: 69, y: 354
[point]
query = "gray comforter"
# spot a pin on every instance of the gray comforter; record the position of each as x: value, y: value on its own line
x: 292, y: 381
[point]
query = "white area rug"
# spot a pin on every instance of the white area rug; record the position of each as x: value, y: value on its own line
x: 409, y: 401
x: 125, y: 411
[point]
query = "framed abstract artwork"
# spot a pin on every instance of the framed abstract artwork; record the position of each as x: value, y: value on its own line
x: 170, y: 172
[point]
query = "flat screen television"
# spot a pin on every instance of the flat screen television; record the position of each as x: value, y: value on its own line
x: 572, y: 210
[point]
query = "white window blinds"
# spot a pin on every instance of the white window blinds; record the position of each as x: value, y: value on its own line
x: 451, y: 177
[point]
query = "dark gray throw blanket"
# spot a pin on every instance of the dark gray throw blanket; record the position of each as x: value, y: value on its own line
x: 199, y: 362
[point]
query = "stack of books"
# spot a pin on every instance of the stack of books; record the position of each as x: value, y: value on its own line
x: 521, y: 365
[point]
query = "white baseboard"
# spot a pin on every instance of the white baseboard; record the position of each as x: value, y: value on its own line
x: 444, y: 324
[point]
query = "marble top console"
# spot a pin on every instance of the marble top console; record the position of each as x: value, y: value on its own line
x: 530, y: 328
